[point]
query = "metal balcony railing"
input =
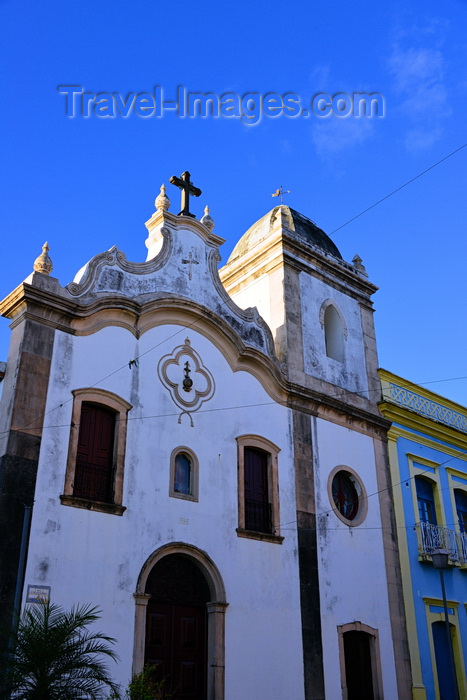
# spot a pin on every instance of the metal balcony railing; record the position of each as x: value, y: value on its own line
x: 462, y: 540
x: 431, y: 537
x: 258, y: 516
x: 93, y: 481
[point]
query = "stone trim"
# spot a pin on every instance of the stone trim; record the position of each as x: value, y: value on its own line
x: 92, y: 505
x: 263, y: 536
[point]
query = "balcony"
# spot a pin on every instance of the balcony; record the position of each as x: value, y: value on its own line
x: 431, y: 537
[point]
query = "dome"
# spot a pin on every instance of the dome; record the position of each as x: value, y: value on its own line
x: 294, y: 222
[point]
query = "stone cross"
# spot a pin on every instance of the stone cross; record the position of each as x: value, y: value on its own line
x: 191, y: 261
x: 186, y: 186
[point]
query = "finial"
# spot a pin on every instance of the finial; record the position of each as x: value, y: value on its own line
x: 358, y: 265
x: 43, y: 263
x: 207, y: 220
x: 162, y: 202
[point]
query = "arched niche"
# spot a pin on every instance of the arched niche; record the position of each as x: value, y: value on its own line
x: 335, y: 330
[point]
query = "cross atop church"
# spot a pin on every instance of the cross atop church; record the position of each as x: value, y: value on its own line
x: 280, y: 193
x: 187, y: 187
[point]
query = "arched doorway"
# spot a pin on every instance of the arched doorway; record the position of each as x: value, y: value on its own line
x: 180, y: 621
x: 176, y: 626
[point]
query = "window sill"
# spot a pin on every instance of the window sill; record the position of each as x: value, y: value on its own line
x: 183, y: 496
x: 87, y: 504
x: 263, y: 536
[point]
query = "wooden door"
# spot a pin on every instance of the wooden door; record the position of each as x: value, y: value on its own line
x: 176, y: 627
x: 176, y: 644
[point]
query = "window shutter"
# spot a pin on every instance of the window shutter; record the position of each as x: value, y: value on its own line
x: 257, y: 506
x: 94, y: 458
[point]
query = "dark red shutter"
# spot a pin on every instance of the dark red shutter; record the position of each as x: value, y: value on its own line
x: 257, y: 506
x: 94, y: 457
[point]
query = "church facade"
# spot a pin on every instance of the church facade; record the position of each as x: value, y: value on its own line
x: 200, y: 453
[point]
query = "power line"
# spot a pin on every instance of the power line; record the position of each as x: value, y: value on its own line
x: 398, y: 189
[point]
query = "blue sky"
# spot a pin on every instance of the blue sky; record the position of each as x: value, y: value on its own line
x: 85, y: 185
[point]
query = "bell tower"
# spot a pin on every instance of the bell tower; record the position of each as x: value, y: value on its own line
x: 317, y: 305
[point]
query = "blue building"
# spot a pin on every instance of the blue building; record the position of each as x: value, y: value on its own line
x: 428, y: 461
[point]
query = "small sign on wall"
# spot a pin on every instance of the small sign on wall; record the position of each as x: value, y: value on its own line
x: 38, y: 594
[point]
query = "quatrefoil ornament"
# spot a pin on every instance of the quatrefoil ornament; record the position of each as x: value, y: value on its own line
x: 188, y: 381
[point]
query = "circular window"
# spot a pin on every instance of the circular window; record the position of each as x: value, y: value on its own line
x: 347, y: 496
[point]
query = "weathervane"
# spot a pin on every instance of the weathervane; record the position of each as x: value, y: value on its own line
x: 187, y: 187
x: 280, y: 193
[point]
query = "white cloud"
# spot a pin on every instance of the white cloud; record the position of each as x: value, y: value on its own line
x: 418, y: 69
x: 320, y: 78
x: 332, y: 135
x: 421, y: 139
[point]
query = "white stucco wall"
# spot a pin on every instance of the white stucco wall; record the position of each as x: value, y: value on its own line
x: 350, y: 374
x: 257, y: 293
x: 352, y: 575
x: 93, y: 557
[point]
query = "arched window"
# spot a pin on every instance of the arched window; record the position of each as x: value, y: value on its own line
x: 184, y: 474
x: 334, y: 331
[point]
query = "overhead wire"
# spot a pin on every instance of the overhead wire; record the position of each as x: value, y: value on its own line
x: 398, y: 189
